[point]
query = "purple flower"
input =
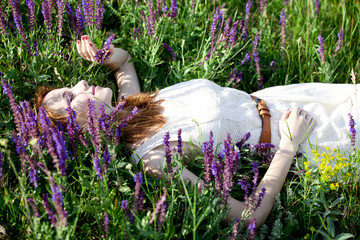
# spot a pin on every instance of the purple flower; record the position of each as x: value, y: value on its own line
x: 2, y: 23
x: 232, y: 34
x: 33, y: 175
x: 138, y: 179
x: 235, y: 229
x: 170, y: 50
x: 160, y: 207
x: 173, y: 9
x: 136, y: 32
x: 88, y: 11
x: 99, y: 13
x: 125, y: 207
x: 282, y: 23
x: 246, y: 187
x: 34, y: 207
x: 339, y: 41
x: 31, y: 12
x: 164, y: 7
x: 106, y: 223
x: 252, y: 227
x: 245, y: 137
x: 35, y: 47
x: 61, y: 7
x: 225, y: 33
x: 264, y: 150
x: 151, y: 20
x: 106, y: 158
x: 207, y: 149
x: 317, y: 6
x: 1, y: 164
x: 47, y: 14
x: 321, y: 49
x: 50, y: 212
x: 17, y: 19
x: 263, y: 4
x: 286, y: 2
x: 215, y: 20
x: 193, y: 6
x: 70, y: 12
x: 272, y: 65
x: 166, y: 143
x: 261, y: 195
x: 247, y: 17
x: 93, y: 126
x: 179, y: 145
x: 352, y: 130
x: 246, y: 58
x: 231, y: 158
x: 80, y: 25
x: 104, y: 53
x: 97, y: 166
x: 232, y: 75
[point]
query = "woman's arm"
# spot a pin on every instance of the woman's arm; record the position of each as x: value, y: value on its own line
x: 293, y: 126
x: 125, y: 73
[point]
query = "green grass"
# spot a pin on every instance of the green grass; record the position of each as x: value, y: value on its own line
x: 306, y: 207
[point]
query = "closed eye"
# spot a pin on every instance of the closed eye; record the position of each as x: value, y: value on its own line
x: 68, y: 96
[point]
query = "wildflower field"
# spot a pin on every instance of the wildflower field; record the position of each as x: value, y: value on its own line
x: 59, y: 184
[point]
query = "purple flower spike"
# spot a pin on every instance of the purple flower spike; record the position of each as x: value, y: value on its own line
x: 138, y: 179
x: 80, y: 22
x: 104, y: 53
x: 166, y: 143
x: 160, y: 207
x: 245, y: 137
x: 17, y: 19
x: 125, y: 207
x: 252, y: 227
x: 246, y: 22
x: 1, y: 164
x: 99, y: 13
x: 232, y: 75
x: 70, y: 12
x: 151, y: 20
x: 34, y: 207
x: 179, y: 145
x: 31, y: 12
x: 317, y: 6
x: 321, y: 49
x: 193, y: 6
x: 232, y: 34
x: 61, y: 7
x: 261, y: 196
x: 50, y: 212
x: 164, y: 7
x: 97, y: 166
x: 235, y: 229
x: 263, y: 4
x: 286, y: 2
x: 173, y: 9
x: 246, y: 58
x: 88, y: 11
x: 273, y: 65
x: 93, y: 126
x: 352, y: 130
x: 2, y: 23
x: 170, y: 50
x: 106, y: 158
x: 47, y: 14
x: 35, y: 47
x: 282, y: 24
x: 207, y: 149
x: 339, y: 41
x: 106, y: 223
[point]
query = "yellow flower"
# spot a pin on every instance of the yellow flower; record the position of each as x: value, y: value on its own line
x: 334, y: 186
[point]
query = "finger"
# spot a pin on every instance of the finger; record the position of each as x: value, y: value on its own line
x: 84, y: 44
x: 79, y: 48
x: 285, y: 115
x: 92, y: 51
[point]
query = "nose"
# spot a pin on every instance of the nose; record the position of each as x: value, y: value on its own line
x: 81, y: 86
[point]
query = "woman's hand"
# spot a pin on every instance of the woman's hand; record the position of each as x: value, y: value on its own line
x: 294, y: 126
x: 87, y: 50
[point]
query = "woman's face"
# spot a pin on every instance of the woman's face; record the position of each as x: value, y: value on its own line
x: 56, y: 100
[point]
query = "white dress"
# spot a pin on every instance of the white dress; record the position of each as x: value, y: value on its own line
x: 200, y: 106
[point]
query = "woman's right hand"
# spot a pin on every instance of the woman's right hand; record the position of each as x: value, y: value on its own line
x: 87, y: 50
x: 294, y: 127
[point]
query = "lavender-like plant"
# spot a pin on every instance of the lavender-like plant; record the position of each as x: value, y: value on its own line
x: 173, y: 9
x: 47, y: 14
x: 352, y: 130
x: 106, y: 223
x: 151, y: 20
x: 97, y: 166
x: 164, y: 7
x: 33, y: 207
x: 35, y: 47
x: 246, y: 58
x: 125, y: 207
x: 61, y: 7
x: 80, y: 22
x: 99, y: 13
x: 263, y: 4
x: 17, y: 19
x: 286, y: 2
x: 104, y: 53
x: 282, y: 24
x: 252, y: 228
x: 2, y: 23
x: 70, y: 12
x: 170, y: 50
x: 1, y: 164
x: 93, y: 126
x: 321, y: 49
x: 257, y: 60
x: 106, y: 158
x: 235, y: 229
x: 193, y: 6
x: 88, y: 12
x: 246, y: 22
x: 50, y: 212
x: 339, y: 41
x: 138, y: 179
x: 179, y: 144
x: 245, y: 137
x: 166, y: 143
x: 232, y: 34
x: 207, y: 149
x: 160, y: 207
x: 31, y: 12
x: 317, y: 6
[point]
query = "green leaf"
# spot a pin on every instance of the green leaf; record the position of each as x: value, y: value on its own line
x: 336, y: 201
x: 325, y: 235
x: 331, y: 227
x: 343, y: 236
